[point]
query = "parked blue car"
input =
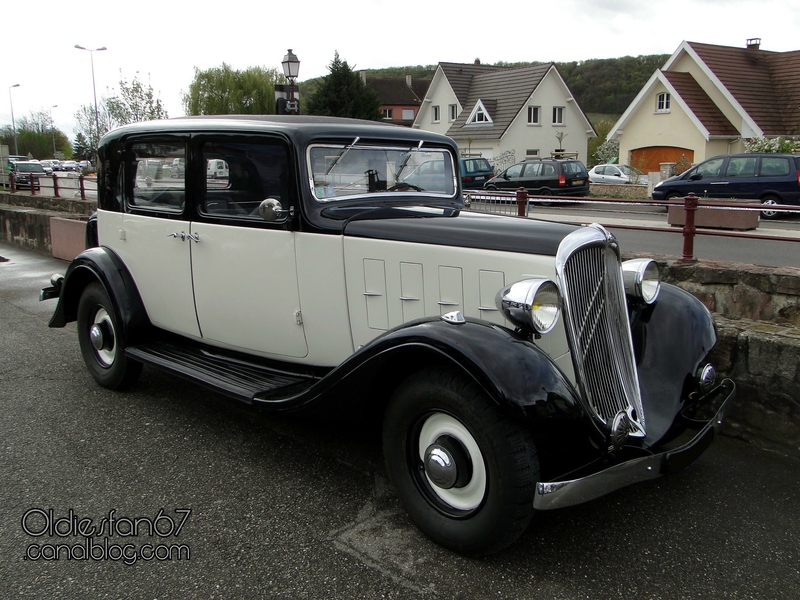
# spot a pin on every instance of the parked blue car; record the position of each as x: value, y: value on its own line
x: 770, y: 178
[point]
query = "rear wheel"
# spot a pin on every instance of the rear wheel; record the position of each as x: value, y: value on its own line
x: 100, y: 339
x: 463, y: 470
x: 770, y: 201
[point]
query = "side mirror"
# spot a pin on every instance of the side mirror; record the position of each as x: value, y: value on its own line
x: 695, y: 177
x: 271, y: 210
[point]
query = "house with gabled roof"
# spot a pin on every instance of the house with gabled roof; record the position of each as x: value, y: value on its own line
x: 399, y: 99
x: 706, y: 100
x: 503, y: 113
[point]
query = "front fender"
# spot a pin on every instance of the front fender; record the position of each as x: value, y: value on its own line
x: 513, y: 371
x: 671, y: 340
x: 103, y: 265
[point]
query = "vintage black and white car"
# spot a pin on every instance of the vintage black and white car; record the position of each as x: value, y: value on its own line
x: 516, y: 365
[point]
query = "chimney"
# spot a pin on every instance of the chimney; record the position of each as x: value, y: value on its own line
x: 753, y: 43
x: 477, y: 61
x: 408, y: 80
x: 363, y: 74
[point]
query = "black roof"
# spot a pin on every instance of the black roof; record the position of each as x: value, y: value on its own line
x: 299, y: 128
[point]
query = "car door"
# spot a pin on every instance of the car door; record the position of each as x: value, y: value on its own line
x: 244, y: 268
x: 511, y: 179
x: 706, y: 179
x: 150, y: 236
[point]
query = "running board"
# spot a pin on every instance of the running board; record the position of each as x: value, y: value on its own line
x: 233, y: 377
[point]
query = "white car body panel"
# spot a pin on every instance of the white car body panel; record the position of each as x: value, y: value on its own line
x: 159, y: 264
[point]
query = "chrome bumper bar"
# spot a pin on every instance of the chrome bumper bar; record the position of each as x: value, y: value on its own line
x: 560, y: 494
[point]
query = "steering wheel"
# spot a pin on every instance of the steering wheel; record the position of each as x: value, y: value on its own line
x: 402, y: 186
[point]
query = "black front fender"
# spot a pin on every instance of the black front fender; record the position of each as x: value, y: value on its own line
x: 513, y: 371
x: 103, y: 265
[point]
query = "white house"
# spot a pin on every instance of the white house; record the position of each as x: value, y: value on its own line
x: 505, y: 114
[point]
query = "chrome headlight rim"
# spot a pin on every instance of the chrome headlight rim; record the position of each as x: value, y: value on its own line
x: 642, y: 279
x: 533, y: 305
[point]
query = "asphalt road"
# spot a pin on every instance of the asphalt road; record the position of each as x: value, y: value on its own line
x: 283, y: 508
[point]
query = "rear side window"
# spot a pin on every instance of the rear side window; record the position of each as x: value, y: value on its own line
x: 741, y: 167
x: 533, y: 169
x: 154, y: 187
x: 575, y: 168
x: 774, y: 166
x: 476, y: 165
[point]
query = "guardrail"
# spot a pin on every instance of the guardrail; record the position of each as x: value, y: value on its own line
x: 67, y: 186
x: 518, y: 204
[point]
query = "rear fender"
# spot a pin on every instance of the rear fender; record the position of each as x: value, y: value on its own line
x: 103, y: 265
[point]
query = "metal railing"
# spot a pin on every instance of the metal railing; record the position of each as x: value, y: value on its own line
x: 518, y: 204
x: 53, y: 186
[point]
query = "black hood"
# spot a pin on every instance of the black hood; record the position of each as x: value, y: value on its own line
x: 463, y: 229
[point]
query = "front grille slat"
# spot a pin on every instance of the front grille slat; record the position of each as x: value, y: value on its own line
x: 597, y: 324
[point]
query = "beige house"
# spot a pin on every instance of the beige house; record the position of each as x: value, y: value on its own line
x: 504, y: 114
x: 706, y: 100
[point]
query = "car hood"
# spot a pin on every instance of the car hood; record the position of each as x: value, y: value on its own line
x: 461, y: 228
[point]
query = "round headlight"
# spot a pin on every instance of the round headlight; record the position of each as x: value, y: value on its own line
x: 642, y: 279
x: 531, y: 304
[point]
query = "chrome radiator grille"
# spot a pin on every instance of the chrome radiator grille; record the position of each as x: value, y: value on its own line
x: 597, y: 325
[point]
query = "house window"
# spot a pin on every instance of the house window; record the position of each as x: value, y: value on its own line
x: 532, y: 152
x: 452, y: 113
x: 662, y: 102
x: 480, y: 117
x: 534, y: 115
x: 408, y: 114
x: 387, y: 113
x: 558, y: 115
x: 436, y: 116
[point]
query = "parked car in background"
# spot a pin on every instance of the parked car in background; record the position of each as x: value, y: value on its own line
x: 26, y: 173
x: 217, y: 169
x: 51, y: 164
x: 769, y: 178
x: 616, y: 174
x: 12, y: 159
x: 475, y: 171
x: 70, y: 165
x: 545, y: 176
x: 511, y: 365
x: 48, y: 169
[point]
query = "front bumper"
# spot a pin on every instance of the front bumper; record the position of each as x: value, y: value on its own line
x: 560, y: 494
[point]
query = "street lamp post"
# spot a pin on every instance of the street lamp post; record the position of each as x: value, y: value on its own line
x: 53, y: 128
x: 291, y: 68
x: 13, y: 123
x: 94, y: 87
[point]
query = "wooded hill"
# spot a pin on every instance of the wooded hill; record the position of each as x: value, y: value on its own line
x: 601, y: 85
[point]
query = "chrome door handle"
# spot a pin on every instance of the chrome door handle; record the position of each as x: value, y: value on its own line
x: 174, y: 234
x: 195, y: 237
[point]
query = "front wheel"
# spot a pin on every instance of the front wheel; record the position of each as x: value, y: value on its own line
x: 465, y: 472
x: 100, y: 339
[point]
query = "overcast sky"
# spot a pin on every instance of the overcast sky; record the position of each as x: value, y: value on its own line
x: 163, y: 42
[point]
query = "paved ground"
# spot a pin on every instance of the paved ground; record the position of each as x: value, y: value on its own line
x: 294, y: 509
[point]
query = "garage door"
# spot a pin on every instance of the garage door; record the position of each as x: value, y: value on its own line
x: 650, y: 158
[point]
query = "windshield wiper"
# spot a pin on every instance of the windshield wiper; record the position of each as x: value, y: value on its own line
x: 344, y: 151
x: 406, y: 159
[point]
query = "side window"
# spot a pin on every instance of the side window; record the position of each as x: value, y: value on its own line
x: 149, y: 167
x: 241, y: 174
x: 533, y: 169
x: 514, y: 171
x: 710, y: 168
x: 548, y: 170
x: 741, y: 167
x: 774, y: 166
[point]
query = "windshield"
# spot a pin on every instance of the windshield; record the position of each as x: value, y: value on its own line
x: 29, y: 167
x: 339, y: 172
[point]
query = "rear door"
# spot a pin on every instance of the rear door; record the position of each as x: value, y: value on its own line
x: 777, y: 176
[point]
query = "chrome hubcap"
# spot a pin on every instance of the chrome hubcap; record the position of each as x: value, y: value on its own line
x: 452, y: 461
x: 103, y: 338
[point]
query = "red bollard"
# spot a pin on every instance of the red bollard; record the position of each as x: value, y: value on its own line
x: 522, y: 201
x: 34, y: 181
x: 13, y: 182
x: 690, y: 208
x: 55, y: 186
x: 83, y: 189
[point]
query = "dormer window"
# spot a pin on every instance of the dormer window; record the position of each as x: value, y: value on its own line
x: 479, y: 115
x: 662, y: 103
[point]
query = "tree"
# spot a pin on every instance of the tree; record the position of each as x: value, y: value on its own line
x: 344, y: 94
x: 226, y: 91
x: 136, y: 102
x: 602, y: 128
x: 35, y: 136
x: 81, y: 149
